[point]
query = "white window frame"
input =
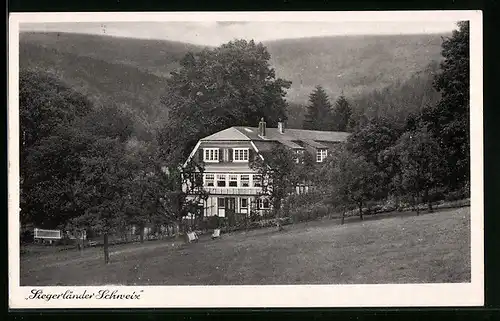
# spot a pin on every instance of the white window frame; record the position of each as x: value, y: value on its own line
x: 219, y: 203
x: 241, y: 202
x: 218, y: 178
x: 245, y: 180
x: 233, y: 178
x: 260, y: 204
x: 211, y: 155
x: 299, y: 153
x: 254, y: 180
x: 321, y: 154
x: 209, y: 178
x: 240, y: 158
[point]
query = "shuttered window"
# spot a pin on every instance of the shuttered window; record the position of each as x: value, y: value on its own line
x: 211, y: 154
x: 240, y: 154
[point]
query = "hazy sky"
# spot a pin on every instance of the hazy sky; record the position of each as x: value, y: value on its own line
x: 215, y: 33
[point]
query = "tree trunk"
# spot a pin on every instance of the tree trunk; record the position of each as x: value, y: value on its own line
x: 361, y: 210
x: 141, y: 233
x: 429, y: 201
x: 416, y: 204
x: 276, y: 209
x: 82, y: 243
x: 177, y: 230
x: 106, y: 248
x: 343, y: 216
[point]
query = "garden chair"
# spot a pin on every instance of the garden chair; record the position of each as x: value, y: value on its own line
x: 192, y: 237
x: 216, y: 233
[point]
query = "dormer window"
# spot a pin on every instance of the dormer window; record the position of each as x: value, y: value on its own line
x: 321, y: 154
x: 240, y: 154
x: 211, y: 155
x: 299, y: 154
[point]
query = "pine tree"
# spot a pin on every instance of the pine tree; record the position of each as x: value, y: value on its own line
x: 318, y: 115
x: 341, y: 114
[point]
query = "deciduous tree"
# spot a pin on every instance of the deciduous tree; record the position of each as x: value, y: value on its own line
x: 348, y: 179
x: 449, y: 120
x: 420, y: 162
x: 216, y: 88
x: 279, y: 175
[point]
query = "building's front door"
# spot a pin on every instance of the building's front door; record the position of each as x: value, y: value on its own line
x: 230, y: 205
x: 230, y: 210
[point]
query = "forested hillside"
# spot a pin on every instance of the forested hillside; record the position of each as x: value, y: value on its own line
x: 158, y: 57
x: 354, y: 65
x: 103, y: 83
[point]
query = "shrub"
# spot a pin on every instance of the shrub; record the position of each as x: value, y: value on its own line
x: 456, y: 195
x: 309, y: 212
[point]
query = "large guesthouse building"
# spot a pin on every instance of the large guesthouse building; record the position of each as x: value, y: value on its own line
x: 232, y: 186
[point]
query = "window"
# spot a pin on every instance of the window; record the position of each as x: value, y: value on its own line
x: 240, y: 154
x: 321, y: 155
x: 245, y: 180
x: 211, y: 154
x: 209, y: 180
x: 300, y: 154
x: 257, y: 180
x: 233, y: 180
x: 262, y: 203
x: 220, y: 202
x: 221, y: 180
x: 198, y: 179
x: 243, y: 202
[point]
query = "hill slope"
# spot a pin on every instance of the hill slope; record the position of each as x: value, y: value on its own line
x: 104, y: 83
x: 158, y: 57
x: 355, y: 65
x: 133, y: 71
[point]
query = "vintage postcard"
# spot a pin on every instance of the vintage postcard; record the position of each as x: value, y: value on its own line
x: 234, y: 159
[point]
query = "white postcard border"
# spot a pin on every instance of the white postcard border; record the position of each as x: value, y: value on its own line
x: 380, y: 295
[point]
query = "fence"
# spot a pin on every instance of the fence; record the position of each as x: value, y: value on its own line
x: 41, y: 235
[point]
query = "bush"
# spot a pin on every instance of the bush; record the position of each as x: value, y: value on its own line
x: 455, y: 196
x: 309, y: 212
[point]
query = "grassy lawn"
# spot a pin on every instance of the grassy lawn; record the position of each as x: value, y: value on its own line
x: 396, y: 249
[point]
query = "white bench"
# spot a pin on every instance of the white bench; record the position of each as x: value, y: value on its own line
x: 216, y: 233
x: 192, y: 237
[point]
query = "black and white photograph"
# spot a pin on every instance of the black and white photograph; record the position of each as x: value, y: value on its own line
x: 245, y: 159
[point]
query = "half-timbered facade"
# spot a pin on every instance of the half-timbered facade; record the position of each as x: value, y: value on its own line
x: 233, y: 187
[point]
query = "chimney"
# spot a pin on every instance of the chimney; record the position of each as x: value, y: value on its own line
x: 262, y: 127
x: 281, y: 127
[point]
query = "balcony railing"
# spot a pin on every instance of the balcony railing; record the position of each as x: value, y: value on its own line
x: 234, y: 190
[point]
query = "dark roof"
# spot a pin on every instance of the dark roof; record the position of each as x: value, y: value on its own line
x: 293, y: 135
x: 292, y: 138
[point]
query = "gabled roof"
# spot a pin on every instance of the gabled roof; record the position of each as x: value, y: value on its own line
x: 227, y: 134
x: 292, y: 138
